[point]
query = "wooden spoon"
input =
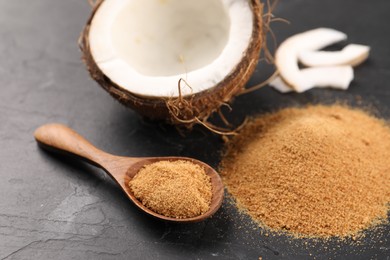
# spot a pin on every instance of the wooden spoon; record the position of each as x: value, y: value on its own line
x: 61, y: 139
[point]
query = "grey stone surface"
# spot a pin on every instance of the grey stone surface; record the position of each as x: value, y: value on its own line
x: 56, y: 208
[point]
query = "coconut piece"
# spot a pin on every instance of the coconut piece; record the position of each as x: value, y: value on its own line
x: 338, y: 77
x: 281, y: 86
x: 352, y: 54
x: 286, y: 56
x: 140, y: 50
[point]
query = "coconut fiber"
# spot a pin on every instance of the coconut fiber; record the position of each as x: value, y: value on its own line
x: 315, y: 171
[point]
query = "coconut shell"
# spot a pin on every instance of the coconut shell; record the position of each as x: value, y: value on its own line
x: 191, y: 109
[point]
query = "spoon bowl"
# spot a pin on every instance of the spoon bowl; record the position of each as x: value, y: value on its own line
x: 61, y: 139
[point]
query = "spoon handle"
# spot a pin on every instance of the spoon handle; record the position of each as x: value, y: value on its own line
x: 62, y: 139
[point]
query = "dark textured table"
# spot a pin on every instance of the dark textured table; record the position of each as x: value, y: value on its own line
x: 56, y: 208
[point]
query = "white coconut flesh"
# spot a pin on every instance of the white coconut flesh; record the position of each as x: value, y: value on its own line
x: 281, y: 86
x: 286, y: 59
x: 146, y: 46
x: 352, y: 54
x: 338, y: 77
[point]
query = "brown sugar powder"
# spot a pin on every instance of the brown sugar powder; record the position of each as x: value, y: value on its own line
x: 177, y: 189
x: 315, y: 171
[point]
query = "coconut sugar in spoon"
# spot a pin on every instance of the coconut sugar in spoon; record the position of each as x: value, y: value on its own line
x: 61, y: 139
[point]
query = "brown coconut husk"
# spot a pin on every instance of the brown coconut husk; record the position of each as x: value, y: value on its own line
x: 183, y: 110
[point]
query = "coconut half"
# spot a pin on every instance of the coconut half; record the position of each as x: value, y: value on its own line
x: 139, y: 50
